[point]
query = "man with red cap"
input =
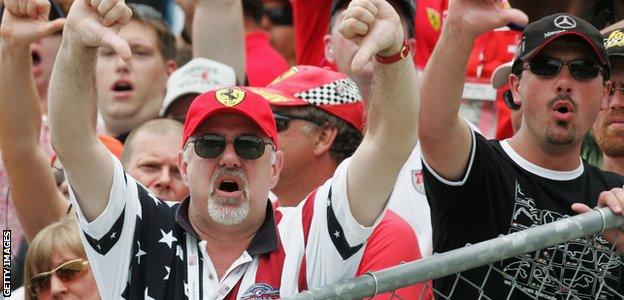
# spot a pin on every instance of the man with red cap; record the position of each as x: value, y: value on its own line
x: 225, y: 241
x: 318, y: 128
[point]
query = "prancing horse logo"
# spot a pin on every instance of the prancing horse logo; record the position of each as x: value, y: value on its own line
x: 565, y: 22
x: 230, y: 96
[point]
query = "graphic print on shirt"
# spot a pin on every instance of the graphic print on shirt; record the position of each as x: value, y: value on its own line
x: 577, y: 264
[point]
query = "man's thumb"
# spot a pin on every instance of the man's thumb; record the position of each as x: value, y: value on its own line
x: 54, y: 26
x: 120, y: 45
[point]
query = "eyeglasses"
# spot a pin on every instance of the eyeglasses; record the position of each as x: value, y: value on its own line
x: 279, y: 15
x: 549, y: 67
x: 282, y: 120
x: 65, y: 272
x: 612, y: 91
x: 246, y: 146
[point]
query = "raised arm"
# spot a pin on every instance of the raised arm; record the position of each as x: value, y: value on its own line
x: 391, y: 122
x: 219, y: 34
x: 41, y: 204
x: 72, y: 99
x: 444, y: 136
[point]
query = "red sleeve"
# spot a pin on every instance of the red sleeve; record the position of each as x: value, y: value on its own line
x: 392, y: 243
x: 311, y: 21
x: 264, y: 63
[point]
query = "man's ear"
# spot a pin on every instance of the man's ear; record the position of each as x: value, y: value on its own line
x: 329, y: 52
x: 277, y: 168
x: 514, y: 87
x: 182, y: 165
x: 325, y: 139
x: 170, y: 67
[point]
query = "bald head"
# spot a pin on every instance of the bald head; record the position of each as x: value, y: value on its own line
x: 150, y: 156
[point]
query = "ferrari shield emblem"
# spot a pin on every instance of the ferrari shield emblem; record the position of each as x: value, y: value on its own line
x: 230, y: 96
x: 418, y: 181
x: 434, y: 19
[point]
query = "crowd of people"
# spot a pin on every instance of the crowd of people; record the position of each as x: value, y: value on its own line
x: 277, y: 146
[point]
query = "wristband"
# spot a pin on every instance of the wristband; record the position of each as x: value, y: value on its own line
x: 386, y: 60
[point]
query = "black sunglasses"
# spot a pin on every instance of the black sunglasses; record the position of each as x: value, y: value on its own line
x: 67, y: 271
x: 549, y: 67
x: 508, y: 98
x: 279, y: 15
x: 282, y: 120
x: 246, y: 146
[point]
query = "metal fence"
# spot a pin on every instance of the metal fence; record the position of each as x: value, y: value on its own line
x: 589, y: 262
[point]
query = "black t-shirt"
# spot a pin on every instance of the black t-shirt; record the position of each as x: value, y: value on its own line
x: 501, y: 193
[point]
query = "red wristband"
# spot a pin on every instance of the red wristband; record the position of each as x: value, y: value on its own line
x: 394, y: 57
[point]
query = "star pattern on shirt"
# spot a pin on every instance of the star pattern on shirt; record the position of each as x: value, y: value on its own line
x: 146, y: 296
x: 113, y: 235
x: 168, y: 272
x: 167, y: 238
x: 337, y: 234
x: 139, y: 253
x: 186, y: 289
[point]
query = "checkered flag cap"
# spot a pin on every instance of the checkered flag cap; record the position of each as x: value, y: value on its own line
x: 341, y: 91
x: 326, y: 89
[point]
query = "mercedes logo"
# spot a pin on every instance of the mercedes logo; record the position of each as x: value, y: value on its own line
x: 565, y: 22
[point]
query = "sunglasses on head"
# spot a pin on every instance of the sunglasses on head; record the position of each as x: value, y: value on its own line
x: 550, y: 67
x: 246, y: 146
x: 509, y: 102
x: 282, y: 120
x: 65, y: 272
x: 279, y: 15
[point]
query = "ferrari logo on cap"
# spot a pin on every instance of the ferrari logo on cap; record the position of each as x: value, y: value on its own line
x: 434, y: 18
x: 230, y: 96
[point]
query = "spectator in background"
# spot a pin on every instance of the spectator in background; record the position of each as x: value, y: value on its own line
x: 319, y: 128
x: 151, y: 157
x: 408, y: 197
x: 197, y: 76
x: 277, y: 20
x: 605, y: 146
x: 131, y: 93
x: 340, y: 51
x: 500, y: 82
x: 27, y: 59
x: 36, y: 189
x: 264, y: 63
x: 57, y: 266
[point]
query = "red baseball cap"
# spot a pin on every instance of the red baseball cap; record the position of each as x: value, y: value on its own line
x: 251, y: 103
x: 328, y: 90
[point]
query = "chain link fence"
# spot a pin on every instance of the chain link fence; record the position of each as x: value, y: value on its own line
x: 565, y: 259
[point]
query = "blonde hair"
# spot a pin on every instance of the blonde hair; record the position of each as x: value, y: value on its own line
x: 59, y: 237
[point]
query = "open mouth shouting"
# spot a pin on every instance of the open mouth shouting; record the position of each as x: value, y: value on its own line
x: 122, y: 89
x: 563, y: 110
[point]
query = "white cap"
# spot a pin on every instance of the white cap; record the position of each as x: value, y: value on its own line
x: 500, y: 76
x: 197, y: 76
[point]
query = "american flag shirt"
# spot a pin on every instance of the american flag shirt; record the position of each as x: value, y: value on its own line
x: 138, y: 247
